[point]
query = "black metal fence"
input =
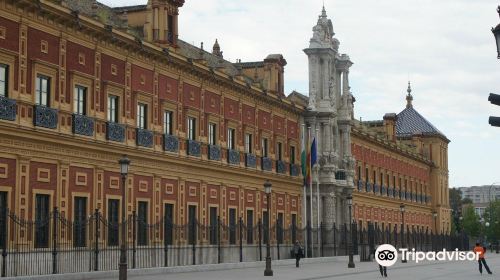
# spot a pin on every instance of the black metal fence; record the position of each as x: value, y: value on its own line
x: 51, y: 244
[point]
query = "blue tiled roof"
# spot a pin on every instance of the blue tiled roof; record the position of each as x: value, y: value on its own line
x: 410, y: 122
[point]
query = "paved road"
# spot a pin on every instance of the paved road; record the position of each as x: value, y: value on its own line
x: 338, y: 270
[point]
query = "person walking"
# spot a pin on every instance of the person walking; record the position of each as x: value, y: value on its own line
x: 481, y: 251
x: 383, y: 269
x: 298, y: 252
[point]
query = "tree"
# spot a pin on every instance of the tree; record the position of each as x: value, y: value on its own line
x: 492, y: 215
x: 466, y: 201
x: 455, y: 199
x: 471, y: 223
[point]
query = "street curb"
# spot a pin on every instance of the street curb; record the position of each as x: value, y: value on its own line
x: 174, y: 269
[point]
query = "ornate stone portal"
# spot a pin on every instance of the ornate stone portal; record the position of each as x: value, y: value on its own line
x: 329, y: 118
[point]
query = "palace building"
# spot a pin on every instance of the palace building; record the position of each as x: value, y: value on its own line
x: 82, y: 84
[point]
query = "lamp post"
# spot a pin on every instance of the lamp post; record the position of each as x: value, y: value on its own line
x: 402, y: 209
x: 496, y: 33
x: 434, y: 216
x: 351, y: 258
x: 124, y: 164
x: 267, y: 190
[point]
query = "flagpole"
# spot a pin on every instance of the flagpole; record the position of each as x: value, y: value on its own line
x: 304, y: 200
x: 310, y: 195
x: 317, y: 188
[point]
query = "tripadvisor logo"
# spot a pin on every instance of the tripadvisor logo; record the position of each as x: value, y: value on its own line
x: 387, y: 255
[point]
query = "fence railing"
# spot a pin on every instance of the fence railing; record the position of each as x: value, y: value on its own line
x: 52, y: 244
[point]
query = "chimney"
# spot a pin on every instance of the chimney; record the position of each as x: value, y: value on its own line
x: 390, y: 126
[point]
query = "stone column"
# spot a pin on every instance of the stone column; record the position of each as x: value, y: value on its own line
x: 345, y: 82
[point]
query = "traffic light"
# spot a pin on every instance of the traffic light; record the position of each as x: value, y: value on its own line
x: 495, y: 100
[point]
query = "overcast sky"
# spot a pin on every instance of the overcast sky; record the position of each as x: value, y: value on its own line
x: 444, y: 47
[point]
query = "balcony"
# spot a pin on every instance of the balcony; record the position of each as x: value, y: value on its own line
x: 396, y: 193
x: 170, y: 143
x: 368, y: 187
x: 280, y: 167
x: 45, y: 117
x: 144, y: 138
x: 390, y: 192
x: 193, y: 148
x: 376, y: 188
x: 213, y: 152
x: 340, y: 175
x: 115, y: 132
x: 294, y: 169
x: 8, y: 109
x: 360, y: 185
x: 250, y: 160
x: 266, y: 164
x: 83, y: 125
x: 383, y: 190
x: 233, y: 157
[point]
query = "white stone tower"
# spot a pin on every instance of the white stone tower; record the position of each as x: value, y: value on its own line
x: 329, y: 116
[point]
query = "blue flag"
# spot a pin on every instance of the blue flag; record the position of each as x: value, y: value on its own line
x: 313, y: 152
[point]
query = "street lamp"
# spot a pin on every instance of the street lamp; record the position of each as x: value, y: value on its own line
x: 124, y: 164
x: 351, y: 259
x: 267, y: 190
x: 402, y: 209
x: 434, y: 216
x: 496, y: 33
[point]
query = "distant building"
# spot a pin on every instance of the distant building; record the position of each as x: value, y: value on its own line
x: 479, y: 194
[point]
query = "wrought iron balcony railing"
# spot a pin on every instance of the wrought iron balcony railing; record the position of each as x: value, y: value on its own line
x: 233, y: 157
x: 368, y: 187
x: 213, y: 152
x: 144, y: 138
x: 376, y: 188
x: 115, y: 132
x: 83, y: 125
x: 45, y: 117
x: 8, y: 109
x: 266, y: 164
x: 193, y: 148
x: 280, y: 167
x: 294, y: 169
x: 170, y: 143
x: 250, y: 160
x: 360, y: 185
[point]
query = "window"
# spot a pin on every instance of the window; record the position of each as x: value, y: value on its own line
x: 80, y: 222
x: 3, y: 217
x: 292, y: 154
x: 80, y: 100
x: 230, y: 138
x: 113, y: 225
x: 279, y: 229
x: 212, y: 134
x: 42, y: 220
x: 42, y: 90
x: 192, y: 224
x: 265, y: 225
x: 142, y: 223
x: 113, y: 108
x: 248, y: 143
x: 279, y: 151
x: 249, y: 226
x: 167, y: 122
x: 191, y: 128
x: 169, y: 219
x: 141, y: 115
x: 4, y: 80
x: 264, y: 147
x: 232, y: 226
x: 213, y: 225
